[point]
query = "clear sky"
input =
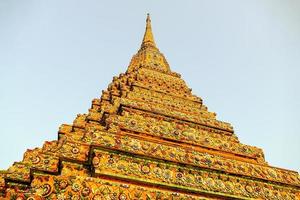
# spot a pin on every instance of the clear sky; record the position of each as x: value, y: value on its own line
x: 241, y: 57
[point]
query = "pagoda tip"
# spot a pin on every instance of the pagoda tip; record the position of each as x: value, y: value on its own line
x: 148, y: 20
x: 148, y: 39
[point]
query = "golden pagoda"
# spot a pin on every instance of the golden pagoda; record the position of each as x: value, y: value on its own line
x: 147, y: 137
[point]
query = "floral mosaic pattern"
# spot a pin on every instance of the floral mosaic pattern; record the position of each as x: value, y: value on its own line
x: 80, y: 188
x: 157, y: 108
x: 18, y: 171
x: 179, y: 154
x: 184, y: 133
x: 118, y: 165
x: 147, y: 137
x: 40, y: 161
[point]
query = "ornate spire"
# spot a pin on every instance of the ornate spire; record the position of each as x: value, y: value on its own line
x: 149, y: 55
x: 148, y: 40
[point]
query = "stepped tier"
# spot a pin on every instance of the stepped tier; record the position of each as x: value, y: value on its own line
x: 147, y: 137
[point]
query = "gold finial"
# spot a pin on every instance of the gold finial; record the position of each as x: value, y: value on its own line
x: 148, y: 39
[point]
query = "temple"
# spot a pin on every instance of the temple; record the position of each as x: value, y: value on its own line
x: 147, y: 137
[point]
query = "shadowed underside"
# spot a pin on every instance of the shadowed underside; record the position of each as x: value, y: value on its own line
x: 147, y: 137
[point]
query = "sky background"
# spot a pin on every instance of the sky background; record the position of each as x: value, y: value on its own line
x: 241, y: 57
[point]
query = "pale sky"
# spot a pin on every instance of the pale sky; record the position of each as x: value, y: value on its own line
x: 241, y: 57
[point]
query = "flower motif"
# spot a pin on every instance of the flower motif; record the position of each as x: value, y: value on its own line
x: 75, y: 150
x: 249, y: 189
x: 75, y: 187
x: 46, y: 162
x: 96, y: 161
x: 145, y: 169
x: 132, y: 122
x: 199, y: 179
x: 46, y: 190
x: 179, y: 175
x: 85, y: 192
x: 111, y: 160
x: 35, y: 159
x: 122, y: 196
x: 63, y: 184
x: 145, y: 146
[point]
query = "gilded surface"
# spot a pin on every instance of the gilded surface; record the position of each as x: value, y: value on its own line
x: 147, y: 137
x: 159, y: 109
x: 182, y: 132
x: 118, y: 165
x: 185, y: 155
x: 79, y: 188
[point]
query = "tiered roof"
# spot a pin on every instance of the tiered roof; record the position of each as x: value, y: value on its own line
x: 147, y: 137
